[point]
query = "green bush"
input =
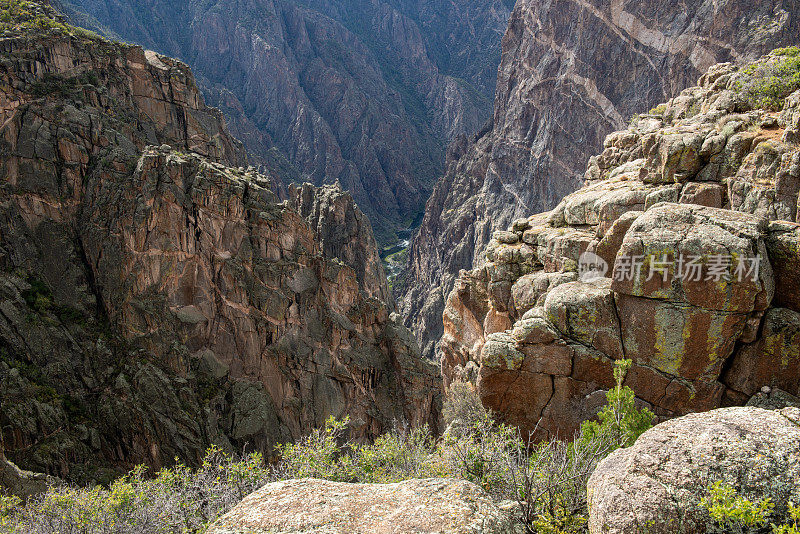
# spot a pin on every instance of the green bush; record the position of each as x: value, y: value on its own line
x: 178, y: 500
x: 620, y: 422
x: 766, y: 84
x: 462, y: 404
x: 732, y: 513
x: 791, y: 51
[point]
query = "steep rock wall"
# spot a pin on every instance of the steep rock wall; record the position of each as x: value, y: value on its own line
x: 155, y: 300
x: 572, y: 71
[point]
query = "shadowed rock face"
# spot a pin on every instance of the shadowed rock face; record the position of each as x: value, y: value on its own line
x: 156, y: 301
x: 572, y: 71
x: 694, y: 208
x: 366, y: 93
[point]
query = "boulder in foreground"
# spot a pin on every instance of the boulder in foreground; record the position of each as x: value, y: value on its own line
x: 312, y: 505
x: 659, y: 481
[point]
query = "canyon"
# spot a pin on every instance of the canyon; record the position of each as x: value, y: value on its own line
x: 157, y: 297
x: 366, y: 94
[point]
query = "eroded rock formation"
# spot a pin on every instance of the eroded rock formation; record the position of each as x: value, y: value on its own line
x: 690, y: 213
x: 156, y: 301
x: 572, y: 72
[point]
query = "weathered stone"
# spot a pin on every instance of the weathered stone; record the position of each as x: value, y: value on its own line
x: 701, y: 298
x: 559, y: 95
x: 783, y: 248
x: 660, y: 480
x: 703, y: 194
x: 20, y: 483
x: 773, y: 399
x: 585, y: 312
x: 773, y: 360
x: 528, y: 291
x: 612, y: 239
x: 447, y: 506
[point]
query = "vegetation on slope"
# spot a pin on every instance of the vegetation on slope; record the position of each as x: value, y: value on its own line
x: 548, y: 479
x: 767, y: 83
x: 20, y: 16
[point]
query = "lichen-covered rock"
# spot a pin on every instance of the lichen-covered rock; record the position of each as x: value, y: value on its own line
x: 694, y: 282
x: 656, y: 485
x: 446, y: 506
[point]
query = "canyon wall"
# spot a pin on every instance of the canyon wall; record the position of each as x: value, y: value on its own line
x: 572, y: 71
x: 366, y: 93
x: 157, y: 296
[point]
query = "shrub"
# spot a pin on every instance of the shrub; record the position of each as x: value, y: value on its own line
x: 658, y: 110
x: 483, y: 453
x: 733, y: 513
x: 620, y: 422
x: 462, y: 404
x: 792, y: 525
x: 791, y: 51
x: 396, y: 456
x: 317, y: 455
x: 177, y: 500
x: 551, y: 481
x: 767, y: 84
x: 9, y: 508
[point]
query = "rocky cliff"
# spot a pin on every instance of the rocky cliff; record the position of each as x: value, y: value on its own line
x: 681, y: 253
x: 154, y: 300
x: 366, y: 93
x: 572, y: 71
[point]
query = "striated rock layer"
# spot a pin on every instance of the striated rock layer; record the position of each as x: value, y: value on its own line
x: 153, y: 300
x: 690, y: 219
x: 572, y: 71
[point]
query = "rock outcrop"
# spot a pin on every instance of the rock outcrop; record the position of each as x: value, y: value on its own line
x: 656, y: 485
x: 571, y: 73
x: 154, y: 300
x: 343, y: 232
x: 679, y: 254
x: 447, y: 506
x: 364, y: 92
x: 19, y: 483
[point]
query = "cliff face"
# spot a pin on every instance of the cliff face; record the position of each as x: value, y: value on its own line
x: 366, y: 93
x: 571, y: 73
x: 689, y: 218
x: 156, y: 301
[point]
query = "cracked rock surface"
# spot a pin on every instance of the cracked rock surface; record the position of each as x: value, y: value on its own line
x: 156, y: 297
x: 572, y: 72
x: 708, y: 180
